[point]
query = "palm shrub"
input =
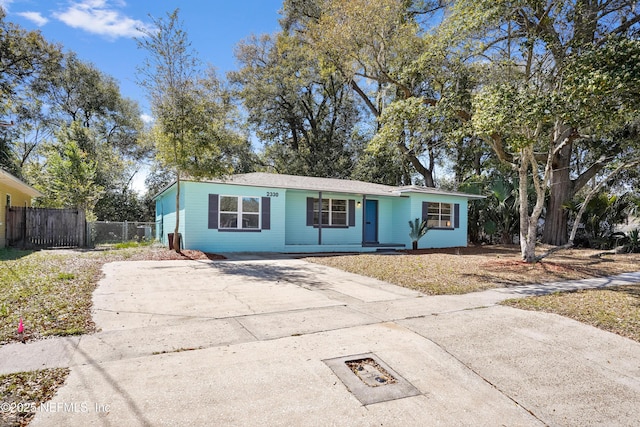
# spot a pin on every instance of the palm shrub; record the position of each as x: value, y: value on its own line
x: 632, y: 243
x: 603, y: 213
x: 418, y: 230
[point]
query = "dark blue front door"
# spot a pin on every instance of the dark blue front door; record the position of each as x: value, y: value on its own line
x: 371, y: 222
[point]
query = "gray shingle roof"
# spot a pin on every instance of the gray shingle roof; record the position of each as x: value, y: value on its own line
x: 429, y: 190
x: 293, y: 182
x: 263, y: 179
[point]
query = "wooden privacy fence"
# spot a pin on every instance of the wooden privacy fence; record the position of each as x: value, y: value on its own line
x: 45, y: 228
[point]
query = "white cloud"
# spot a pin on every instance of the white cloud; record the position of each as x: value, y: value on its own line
x: 35, y: 17
x: 98, y: 17
x: 5, y: 4
x: 146, y: 118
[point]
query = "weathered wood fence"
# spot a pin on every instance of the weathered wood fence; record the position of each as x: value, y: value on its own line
x: 32, y: 228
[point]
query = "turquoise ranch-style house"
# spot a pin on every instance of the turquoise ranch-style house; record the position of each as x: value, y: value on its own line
x: 264, y: 212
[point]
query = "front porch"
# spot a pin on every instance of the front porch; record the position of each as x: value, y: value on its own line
x: 366, y: 247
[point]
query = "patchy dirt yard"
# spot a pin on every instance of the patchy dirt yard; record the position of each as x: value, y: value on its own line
x: 462, y: 270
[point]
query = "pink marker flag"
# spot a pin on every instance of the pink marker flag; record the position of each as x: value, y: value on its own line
x: 20, y: 326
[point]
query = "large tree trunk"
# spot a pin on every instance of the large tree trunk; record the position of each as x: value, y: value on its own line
x: 529, y: 223
x: 527, y: 243
x: 560, y: 192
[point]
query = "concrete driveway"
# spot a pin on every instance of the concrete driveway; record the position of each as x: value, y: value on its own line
x: 263, y: 342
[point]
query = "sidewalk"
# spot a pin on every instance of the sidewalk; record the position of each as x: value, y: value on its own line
x: 248, y: 342
x: 64, y: 351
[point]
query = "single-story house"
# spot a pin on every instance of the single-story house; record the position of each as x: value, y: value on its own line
x: 264, y: 212
x: 13, y: 192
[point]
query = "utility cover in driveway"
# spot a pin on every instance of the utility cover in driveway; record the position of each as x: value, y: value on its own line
x: 370, y: 379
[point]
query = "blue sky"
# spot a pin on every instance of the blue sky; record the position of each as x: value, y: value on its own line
x: 102, y: 31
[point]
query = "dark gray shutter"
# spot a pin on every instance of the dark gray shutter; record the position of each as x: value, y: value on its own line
x: 425, y: 211
x: 213, y: 211
x: 266, y: 213
x: 352, y: 213
x: 310, y: 211
x: 456, y: 215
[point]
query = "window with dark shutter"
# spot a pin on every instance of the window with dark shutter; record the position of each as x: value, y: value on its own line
x: 266, y: 213
x: 439, y: 215
x: 336, y: 213
x: 310, y: 211
x: 456, y: 215
x: 352, y: 213
x: 213, y: 211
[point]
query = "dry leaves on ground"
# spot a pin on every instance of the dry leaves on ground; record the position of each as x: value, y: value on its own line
x: 23, y: 393
x: 463, y: 270
x: 615, y: 309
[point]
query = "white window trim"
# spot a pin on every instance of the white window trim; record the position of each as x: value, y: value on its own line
x: 239, y: 212
x: 442, y: 223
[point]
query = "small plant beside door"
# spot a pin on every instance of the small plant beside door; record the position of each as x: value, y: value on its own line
x: 418, y: 230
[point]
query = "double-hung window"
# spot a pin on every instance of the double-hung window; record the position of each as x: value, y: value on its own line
x: 239, y: 212
x: 440, y: 215
x: 334, y: 212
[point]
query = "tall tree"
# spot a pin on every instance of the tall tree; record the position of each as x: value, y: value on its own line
x: 77, y: 92
x: 374, y: 45
x: 550, y: 72
x: 304, y: 116
x: 192, y: 111
x: 67, y: 175
x: 25, y: 57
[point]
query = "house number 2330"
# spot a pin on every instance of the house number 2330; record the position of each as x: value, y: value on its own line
x: 272, y: 194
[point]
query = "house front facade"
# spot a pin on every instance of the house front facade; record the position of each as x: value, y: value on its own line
x: 13, y: 192
x: 263, y: 212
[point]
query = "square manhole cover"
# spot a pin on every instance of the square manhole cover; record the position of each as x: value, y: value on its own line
x: 370, y: 379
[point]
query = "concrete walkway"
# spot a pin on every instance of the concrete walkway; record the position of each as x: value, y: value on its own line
x: 249, y: 342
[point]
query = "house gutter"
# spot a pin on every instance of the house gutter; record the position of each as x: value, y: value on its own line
x: 364, y: 217
x: 319, y: 218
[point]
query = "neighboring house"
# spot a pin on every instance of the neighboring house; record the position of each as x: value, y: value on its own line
x: 13, y: 192
x: 263, y: 212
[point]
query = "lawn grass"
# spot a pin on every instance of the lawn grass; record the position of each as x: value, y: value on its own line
x: 457, y: 271
x: 21, y: 394
x: 463, y: 270
x: 615, y: 309
x: 132, y: 244
x: 50, y: 292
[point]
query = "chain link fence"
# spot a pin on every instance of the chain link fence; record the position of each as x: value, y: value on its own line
x: 106, y: 232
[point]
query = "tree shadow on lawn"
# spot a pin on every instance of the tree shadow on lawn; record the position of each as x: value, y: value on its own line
x: 488, y: 250
x: 632, y: 291
x: 10, y: 254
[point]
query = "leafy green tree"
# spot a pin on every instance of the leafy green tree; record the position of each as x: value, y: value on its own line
x: 382, y: 164
x: 67, y: 177
x: 374, y: 46
x: 79, y: 92
x: 193, y: 113
x: 72, y: 91
x: 304, y: 117
x: 25, y: 57
x: 122, y: 206
x: 546, y: 70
